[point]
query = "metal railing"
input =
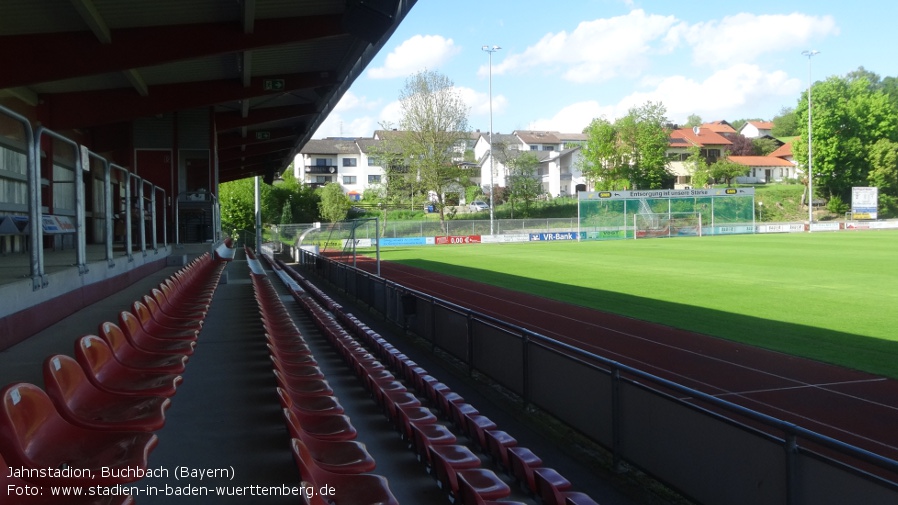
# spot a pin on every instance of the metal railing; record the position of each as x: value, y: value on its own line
x: 712, y: 450
x: 36, y: 215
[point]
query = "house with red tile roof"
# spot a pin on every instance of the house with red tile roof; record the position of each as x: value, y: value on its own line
x: 756, y: 129
x: 713, y: 145
x: 764, y: 169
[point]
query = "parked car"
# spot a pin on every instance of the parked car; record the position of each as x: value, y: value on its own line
x: 479, y: 205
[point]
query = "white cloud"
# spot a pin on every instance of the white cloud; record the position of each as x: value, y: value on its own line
x: 479, y: 102
x: 736, y: 92
x: 415, y: 54
x: 732, y: 93
x: 350, y: 102
x: 575, y: 117
x: 596, y: 50
x: 746, y: 37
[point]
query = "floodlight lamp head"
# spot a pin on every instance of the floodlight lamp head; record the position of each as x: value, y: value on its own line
x: 809, y: 53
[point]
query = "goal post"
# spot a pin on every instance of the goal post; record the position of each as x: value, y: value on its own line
x: 668, y: 224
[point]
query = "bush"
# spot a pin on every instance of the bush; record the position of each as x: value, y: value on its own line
x: 837, y: 206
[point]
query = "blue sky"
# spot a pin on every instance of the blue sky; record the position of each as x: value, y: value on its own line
x: 561, y: 64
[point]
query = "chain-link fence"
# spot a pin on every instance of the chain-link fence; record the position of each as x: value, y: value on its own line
x: 332, y: 235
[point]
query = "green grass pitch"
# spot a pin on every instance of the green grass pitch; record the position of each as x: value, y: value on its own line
x: 832, y: 297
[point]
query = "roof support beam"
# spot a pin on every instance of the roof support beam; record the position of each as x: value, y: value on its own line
x: 93, y: 19
x: 79, y: 109
x: 137, y: 81
x: 256, y: 150
x: 229, y: 120
x: 249, y: 15
x: 76, y: 54
x: 235, y: 140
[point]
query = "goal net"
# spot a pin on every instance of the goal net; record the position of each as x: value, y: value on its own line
x: 673, y: 224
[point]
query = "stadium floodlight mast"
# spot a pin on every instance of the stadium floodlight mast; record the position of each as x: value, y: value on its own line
x: 810, y: 54
x: 490, y: 50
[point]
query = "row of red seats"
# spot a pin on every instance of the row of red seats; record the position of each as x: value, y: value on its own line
x: 100, y: 409
x: 455, y: 466
x: 323, y: 439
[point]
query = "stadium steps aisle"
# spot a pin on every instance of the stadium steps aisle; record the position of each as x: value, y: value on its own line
x: 226, y: 413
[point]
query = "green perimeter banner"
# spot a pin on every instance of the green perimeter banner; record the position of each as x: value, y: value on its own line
x: 664, y: 193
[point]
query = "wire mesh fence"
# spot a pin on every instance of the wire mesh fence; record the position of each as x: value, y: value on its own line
x: 332, y: 234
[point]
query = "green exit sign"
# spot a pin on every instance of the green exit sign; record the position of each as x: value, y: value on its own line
x: 263, y: 135
x: 273, y: 84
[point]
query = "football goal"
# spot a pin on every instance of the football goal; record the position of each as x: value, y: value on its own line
x: 668, y: 224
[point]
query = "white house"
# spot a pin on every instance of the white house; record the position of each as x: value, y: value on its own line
x: 756, y: 129
x: 764, y: 169
x: 558, y: 153
x: 346, y: 161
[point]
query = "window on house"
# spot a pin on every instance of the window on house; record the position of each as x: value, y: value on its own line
x: 349, y: 179
x: 534, y: 148
x: 548, y: 148
x: 322, y: 179
x: 322, y: 162
x: 374, y: 161
x: 349, y: 162
x: 373, y: 179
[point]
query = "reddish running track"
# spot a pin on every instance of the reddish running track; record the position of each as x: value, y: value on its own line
x: 855, y: 407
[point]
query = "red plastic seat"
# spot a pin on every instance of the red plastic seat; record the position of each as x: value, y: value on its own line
x: 447, y: 461
x: 183, y: 309
x: 362, y: 489
x: 550, y: 485
x: 182, y: 322
x: 426, y: 435
x: 34, y: 436
x: 320, y: 426
x: 105, y: 372
x: 131, y: 356
x: 134, y: 332
x: 521, y: 463
x: 301, y: 370
x: 407, y: 416
x: 47, y: 499
x: 578, y: 498
x: 83, y: 404
x: 310, y: 404
x: 158, y: 329
x: 478, y: 486
x: 297, y: 386
x: 172, y: 299
x: 337, y: 456
x: 497, y: 444
x: 476, y: 426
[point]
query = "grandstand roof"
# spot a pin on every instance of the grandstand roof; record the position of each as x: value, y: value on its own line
x: 268, y: 66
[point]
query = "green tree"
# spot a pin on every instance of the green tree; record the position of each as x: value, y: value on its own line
x: 237, y: 205
x: 726, y: 170
x: 434, y: 128
x: 645, y: 140
x: 765, y: 146
x: 522, y: 183
x: 883, y: 174
x: 785, y: 124
x: 693, y: 120
x: 697, y: 165
x: 848, y: 119
x: 603, y: 162
x: 631, y: 152
x: 334, y: 205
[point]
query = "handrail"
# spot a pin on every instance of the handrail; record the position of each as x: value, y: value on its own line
x: 80, y: 238
x: 34, y: 207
